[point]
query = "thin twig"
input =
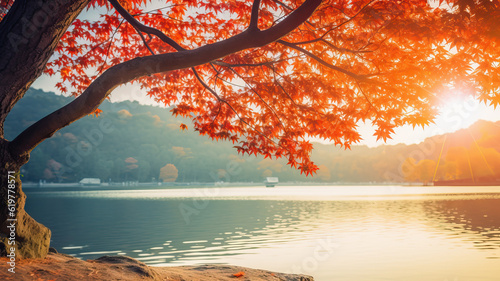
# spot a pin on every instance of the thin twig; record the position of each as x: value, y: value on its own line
x: 260, y: 97
x: 109, y: 47
x: 144, y: 28
x: 321, y: 61
x: 145, y: 42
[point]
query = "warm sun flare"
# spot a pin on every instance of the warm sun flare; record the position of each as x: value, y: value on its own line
x: 458, y: 110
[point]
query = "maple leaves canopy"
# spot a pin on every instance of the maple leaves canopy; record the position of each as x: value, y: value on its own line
x: 386, y: 62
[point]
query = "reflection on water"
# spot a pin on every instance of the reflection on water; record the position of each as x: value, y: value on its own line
x: 445, y: 237
x: 478, y: 219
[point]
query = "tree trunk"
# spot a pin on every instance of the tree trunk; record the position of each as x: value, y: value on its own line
x: 20, y: 235
x: 29, y: 33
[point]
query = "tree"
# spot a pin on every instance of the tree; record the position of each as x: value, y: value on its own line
x: 131, y: 167
x: 459, y: 155
x: 409, y: 169
x: 324, y: 173
x: 446, y: 170
x: 266, y: 75
x: 169, y: 173
x: 425, y: 171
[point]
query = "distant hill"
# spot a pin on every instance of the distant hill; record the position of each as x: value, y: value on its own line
x: 471, y: 153
x: 132, y: 142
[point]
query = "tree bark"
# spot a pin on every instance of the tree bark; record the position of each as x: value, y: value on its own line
x: 29, y: 34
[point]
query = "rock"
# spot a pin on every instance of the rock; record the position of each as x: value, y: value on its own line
x: 63, y: 267
x: 214, y: 272
x: 129, y: 264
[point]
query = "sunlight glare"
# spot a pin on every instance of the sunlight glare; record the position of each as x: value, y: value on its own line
x: 458, y: 111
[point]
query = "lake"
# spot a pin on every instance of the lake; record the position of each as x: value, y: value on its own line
x: 330, y: 232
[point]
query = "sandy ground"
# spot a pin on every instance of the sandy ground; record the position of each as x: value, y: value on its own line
x: 62, y: 267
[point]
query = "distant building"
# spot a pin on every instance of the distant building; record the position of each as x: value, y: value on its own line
x: 271, y: 181
x: 90, y: 182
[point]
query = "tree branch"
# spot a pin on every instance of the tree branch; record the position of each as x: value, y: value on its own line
x: 145, y: 42
x: 221, y: 101
x: 321, y: 61
x: 349, y: 19
x: 261, y: 99
x: 329, y: 44
x: 222, y: 63
x: 144, y: 28
x: 283, y: 89
x: 108, y: 49
x: 254, y: 19
x: 127, y: 71
x: 290, y: 9
x: 207, y: 87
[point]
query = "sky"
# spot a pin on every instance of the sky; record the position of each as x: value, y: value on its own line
x: 455, y: 114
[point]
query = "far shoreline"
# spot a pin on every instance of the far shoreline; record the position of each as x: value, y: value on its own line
x: 166, y: 185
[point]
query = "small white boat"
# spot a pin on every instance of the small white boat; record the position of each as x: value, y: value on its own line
x: 271, y: 181
x: 90, y: 182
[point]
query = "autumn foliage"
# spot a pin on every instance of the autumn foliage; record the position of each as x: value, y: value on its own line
x: 169, y: 173
x: 385, y: 62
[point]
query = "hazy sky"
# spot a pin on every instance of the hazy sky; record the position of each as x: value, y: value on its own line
x: 457, y: 114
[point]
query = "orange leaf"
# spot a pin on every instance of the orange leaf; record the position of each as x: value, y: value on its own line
x: 239, y: 274
x: 96, y: 112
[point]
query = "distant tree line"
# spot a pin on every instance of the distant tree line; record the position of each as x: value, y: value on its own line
x: 471, y: 153
x: 132, y: 142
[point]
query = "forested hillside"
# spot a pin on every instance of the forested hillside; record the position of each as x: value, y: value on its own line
x: 132, y: 142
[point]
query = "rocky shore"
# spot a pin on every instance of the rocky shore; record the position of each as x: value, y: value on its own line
x: 63, y: 267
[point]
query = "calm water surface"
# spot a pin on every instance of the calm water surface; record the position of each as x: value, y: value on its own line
x: 332, y: 233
